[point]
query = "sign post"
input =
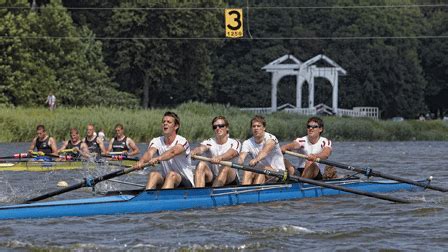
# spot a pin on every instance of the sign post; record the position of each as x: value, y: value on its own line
x: 234, y: 23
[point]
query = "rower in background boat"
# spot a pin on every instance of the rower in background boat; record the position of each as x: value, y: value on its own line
x: 94, y: 144
x: 219, y: 148
x: 122, y: 144
x: 173, y: 151
x: 78, y: 147
x: 265, y: 151
x: 43, y: 143
x: 314, y: 146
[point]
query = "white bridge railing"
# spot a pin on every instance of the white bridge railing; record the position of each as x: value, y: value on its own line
x: 371, y: 112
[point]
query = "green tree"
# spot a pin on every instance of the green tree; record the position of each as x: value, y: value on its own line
x: 45, y: 53
x: 152, y: 61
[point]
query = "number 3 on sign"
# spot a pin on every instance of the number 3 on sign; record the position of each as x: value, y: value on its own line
x: 234, y: 23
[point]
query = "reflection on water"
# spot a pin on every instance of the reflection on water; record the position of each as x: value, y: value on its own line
x: 347, y: 222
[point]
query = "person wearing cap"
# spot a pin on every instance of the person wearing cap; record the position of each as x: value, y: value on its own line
x: 314, y: 146
x: 173, y: 154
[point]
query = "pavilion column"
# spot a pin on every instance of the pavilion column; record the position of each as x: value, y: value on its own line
x: 274, y: 82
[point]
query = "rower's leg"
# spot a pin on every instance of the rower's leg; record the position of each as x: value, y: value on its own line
x: 202, y: 175
x: 289, y: 167
x: 154, y: 179
x: 260, y: 179
x: 248, y: 177
x: 226, y: 176
x: 172, y: 180
x: 311, y: 170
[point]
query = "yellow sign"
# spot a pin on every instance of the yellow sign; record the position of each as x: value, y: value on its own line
x: 234, y: 23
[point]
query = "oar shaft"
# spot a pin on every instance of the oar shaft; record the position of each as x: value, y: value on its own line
x: 17, y: 155
x: 305, y: 180
x: 87, y: 182
x: 370, y: 172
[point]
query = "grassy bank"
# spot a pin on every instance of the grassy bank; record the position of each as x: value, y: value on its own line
x: 19, y: 124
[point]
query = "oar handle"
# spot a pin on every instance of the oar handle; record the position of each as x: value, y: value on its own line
x: 68, y: 150
x: 370, y: 172
x: 305, y: 180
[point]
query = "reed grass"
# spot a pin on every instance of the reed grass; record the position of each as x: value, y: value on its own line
x: 19, y: 124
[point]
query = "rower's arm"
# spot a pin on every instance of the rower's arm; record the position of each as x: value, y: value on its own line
x: 268, y: 147
x: 64, y: 145
x: 294, y: 145
x: 228, y: 155
x: 102, y: 147
x: 148, y: 155
x: 53, y: 146
x: 199, y: 150
x: 324, y: 154
x: 84, y: 150
x: 134, y: 148
x: 32, y: 146
x: 242, y: 157
x: 111, y: 143
x: 176, y: 150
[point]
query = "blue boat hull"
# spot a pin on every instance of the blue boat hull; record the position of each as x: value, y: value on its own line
x: 193, y: 198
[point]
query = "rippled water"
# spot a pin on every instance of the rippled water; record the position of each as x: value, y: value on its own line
x: 326, y: 224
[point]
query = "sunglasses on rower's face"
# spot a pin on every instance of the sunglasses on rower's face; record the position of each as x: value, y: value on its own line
x: 312, y: 126
x: 215, y: 126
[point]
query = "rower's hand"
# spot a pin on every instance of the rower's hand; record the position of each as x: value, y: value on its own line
x: 312, y: 157
x: 253, y: 162
x: 139, y: 165
x: 75, y: 149
x: 215, y: 160
x: 153, y: 161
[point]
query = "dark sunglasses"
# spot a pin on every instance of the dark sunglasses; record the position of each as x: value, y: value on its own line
x: 312, y: 126
x: 215, y: 126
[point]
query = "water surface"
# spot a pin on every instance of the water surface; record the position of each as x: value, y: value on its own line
x: 348, y: 222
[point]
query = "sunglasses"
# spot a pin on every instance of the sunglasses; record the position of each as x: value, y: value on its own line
x: 215, y: 126
x: 312, y: 126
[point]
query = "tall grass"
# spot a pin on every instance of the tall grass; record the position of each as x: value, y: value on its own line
x: 19, y: 124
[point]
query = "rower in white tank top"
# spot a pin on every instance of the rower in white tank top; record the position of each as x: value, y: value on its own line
x: 307, y: 148
x: 274, y: 158
x: 180, y: 163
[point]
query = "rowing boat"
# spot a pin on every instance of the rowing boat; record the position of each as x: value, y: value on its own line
x: 40, y: 166
x: 150, y: 201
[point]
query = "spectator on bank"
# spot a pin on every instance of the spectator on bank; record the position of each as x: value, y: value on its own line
x: 51, y: 101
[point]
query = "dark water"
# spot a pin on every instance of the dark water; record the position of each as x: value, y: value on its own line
x: 326, y: 224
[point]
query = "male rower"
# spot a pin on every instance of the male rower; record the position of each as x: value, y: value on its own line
x: 94, y: 144
x: 76, y: 147
x: 173, y: 155
x: 264, y: 150
x: 43, y: 143
x: 122, y: 144
x: 219, y: 148
x: 314, y: 146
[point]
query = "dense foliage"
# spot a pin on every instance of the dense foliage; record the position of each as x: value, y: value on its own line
x: 166, y: 52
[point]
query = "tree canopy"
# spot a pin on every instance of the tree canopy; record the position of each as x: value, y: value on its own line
x: 167, y: 52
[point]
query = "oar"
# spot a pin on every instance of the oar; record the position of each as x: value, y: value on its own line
x: 370, y: 172
x: 17, y: 155
x: 305, y: 180
x: 87, y: 182
x: 120, y: 157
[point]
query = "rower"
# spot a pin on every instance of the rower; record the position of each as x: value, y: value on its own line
x: 77, y: 147
x: 314, y: 146
x: 43, y: 143
x: 94, y: 144
x: 219, y: 148
x: 173, y: 155
x: 264, y: 150
x: 122, y: 144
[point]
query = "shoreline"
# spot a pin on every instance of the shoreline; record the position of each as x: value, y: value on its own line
x: 142, y: 125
